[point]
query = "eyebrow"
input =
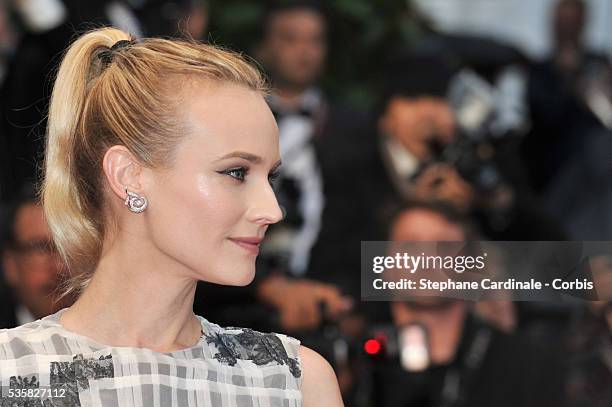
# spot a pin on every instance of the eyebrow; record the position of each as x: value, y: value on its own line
x: 255, y: 159
x: 240, y: 154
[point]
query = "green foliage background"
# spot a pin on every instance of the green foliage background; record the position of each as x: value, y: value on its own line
x: 361, y: 34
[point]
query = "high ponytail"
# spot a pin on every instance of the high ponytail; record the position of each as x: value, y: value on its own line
x: 97, y: 103
x: 76, y: 236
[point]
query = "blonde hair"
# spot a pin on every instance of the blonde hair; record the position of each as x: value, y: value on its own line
x: 121, y: 96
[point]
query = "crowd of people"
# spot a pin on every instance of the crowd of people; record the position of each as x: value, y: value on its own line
x: 467, y: 140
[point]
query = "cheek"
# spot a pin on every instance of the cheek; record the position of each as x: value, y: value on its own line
x: 209, y: 208
x: 217, y: 205
x: 194, y: 214
x: 191, y: 225
x: 315, y: 52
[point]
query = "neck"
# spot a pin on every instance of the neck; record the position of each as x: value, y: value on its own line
x: 137, y: 299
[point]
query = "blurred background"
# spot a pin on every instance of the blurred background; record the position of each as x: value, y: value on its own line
x: 399, y: 120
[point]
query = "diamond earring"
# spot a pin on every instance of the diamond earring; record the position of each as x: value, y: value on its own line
x: 134, y: 202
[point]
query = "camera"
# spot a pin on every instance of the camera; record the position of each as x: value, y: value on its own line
x: 484, y: 115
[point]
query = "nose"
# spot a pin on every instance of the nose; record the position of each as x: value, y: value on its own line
x: 265, y: 209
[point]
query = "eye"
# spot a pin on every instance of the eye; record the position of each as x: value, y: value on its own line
x: 273, y: 177
x: 237, y: 173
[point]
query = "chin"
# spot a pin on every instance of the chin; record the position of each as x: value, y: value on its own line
x: 237, y: 276
x: 240, y: 282
x: 247, y: 278
x: 245, y: 281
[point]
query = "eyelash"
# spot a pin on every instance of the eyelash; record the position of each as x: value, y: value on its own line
x: 272, y: 177
x: 243, y: 170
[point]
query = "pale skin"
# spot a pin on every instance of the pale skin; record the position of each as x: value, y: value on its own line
x: 215, y: 194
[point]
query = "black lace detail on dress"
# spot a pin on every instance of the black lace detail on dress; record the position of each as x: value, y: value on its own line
x: 66, y: 379
x: 252, y: 345
x: 73, y: 376
x: 20, y: 383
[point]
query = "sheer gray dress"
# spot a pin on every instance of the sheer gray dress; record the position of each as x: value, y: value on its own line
x: 43, y: 364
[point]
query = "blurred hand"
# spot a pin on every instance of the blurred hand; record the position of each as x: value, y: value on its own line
x: 441, y: 182
x: 417, y: 123
x: 298, y: 301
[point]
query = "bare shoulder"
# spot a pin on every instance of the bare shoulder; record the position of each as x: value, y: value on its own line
x: 319, y: 383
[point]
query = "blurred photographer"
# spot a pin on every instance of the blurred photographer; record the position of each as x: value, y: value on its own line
x: 560, y: 93
x: 440, y: 140
x: 588, y: 343
x: 446, y: 355
x: 570, y: 99
x: 418, y: 120
x: 32, y: 267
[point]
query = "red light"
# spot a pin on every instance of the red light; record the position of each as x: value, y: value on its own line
x: 372, y: 347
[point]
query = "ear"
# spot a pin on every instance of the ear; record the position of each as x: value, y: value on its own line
x: 122, y: 170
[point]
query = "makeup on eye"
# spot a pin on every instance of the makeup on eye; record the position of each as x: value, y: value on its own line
x: 240, y: 173
x: 273, y: 177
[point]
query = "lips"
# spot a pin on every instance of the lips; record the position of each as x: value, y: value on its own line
x: 251, y: 244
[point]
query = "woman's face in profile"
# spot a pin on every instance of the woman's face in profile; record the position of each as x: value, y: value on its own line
x: 210, y: 210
